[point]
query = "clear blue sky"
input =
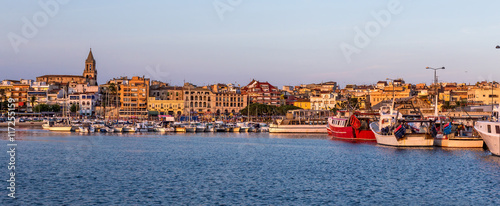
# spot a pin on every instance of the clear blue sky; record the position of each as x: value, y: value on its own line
x: 283, y: 42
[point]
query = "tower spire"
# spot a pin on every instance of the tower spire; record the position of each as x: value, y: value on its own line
x: 90, y: 58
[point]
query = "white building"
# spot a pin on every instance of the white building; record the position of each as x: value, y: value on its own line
x: 85, y: 101
x: 324, y: 101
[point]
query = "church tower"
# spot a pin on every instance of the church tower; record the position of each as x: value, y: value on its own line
x: 90, y: 73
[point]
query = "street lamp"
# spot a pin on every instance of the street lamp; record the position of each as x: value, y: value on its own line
x: 435, y: 85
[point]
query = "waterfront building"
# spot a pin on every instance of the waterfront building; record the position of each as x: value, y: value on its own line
x: 484, y: 95
x: 229, y: 102
x: 165, y: 92
x: 133, y: 95
x: 197, y: 100
x: 89, y: 75
x: 398, y: 88
x: 86, y: 103
x: 157, y: 106
x: 303, y: 103
x: 262, y: 93
x: 19, y: 93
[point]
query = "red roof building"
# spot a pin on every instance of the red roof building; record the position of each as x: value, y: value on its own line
x: 262, y: 93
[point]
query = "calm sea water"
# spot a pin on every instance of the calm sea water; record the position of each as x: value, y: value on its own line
x: 229, y: 169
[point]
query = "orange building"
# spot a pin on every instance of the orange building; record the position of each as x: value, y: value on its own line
x: 134, y: 98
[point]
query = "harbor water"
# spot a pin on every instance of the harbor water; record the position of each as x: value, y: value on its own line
x: 241, y: 169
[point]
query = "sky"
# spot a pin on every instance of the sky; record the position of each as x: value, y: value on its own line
x: 284, y: 42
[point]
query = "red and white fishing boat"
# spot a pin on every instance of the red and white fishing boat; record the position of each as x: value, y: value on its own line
x: 356, y: 127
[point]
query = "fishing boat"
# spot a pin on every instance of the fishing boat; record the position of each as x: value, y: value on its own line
x: 357, y: 127
x: 490, y: 132
x: 301, y: 121
x: 58, y: 126
x: 393, y: 130
x: 458, y: 135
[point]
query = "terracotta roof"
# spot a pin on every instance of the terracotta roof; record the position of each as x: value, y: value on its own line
x: 57, y: 75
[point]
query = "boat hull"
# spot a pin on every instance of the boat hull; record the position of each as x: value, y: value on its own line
x: 350, y: 133
x: 297, y: 129
x: 491, y: 139
x: 409, y: 140
x: 180, y: 129
x: 128, y: 129
x: 459, y: 142
x: 60, y: 129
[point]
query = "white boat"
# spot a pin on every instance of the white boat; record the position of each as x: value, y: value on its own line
x: 243, y: 126
x: 490, y: 132
x: 201, y: 128
x: 128, y: 128
x: 118, y: 128
x: 83, y: 129
x: 263, y: 127
x: 106, y: 129
x: 164, y: 129
x: 300, y: 121
x: 391, y: 130
x: 190, y: 127
x: 210, y: 128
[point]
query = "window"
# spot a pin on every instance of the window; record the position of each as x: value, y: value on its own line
x: 497, y: 128
x: 489, y: 128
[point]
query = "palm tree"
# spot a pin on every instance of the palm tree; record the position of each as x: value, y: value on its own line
x: 112, y: 88
x: 32, y: 101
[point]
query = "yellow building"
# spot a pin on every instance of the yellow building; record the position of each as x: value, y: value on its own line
x: 166, y: 107
x: 134, y: 96
x: 303, y: 103
x: 483, y: 95
x: 387, y: 94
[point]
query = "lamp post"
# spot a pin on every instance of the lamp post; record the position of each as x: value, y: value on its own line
x: 435, y: 84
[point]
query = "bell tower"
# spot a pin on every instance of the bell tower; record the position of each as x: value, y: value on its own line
x: 90, y: 73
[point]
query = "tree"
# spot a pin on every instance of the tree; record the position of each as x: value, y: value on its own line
x: 112, y: 88
x: 74, y: 108
x: 32, y: 100
x: 55, y: 108
x: 41, y: 108
x: 263, y: 109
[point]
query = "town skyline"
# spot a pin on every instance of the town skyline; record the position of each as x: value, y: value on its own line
x: 308, y: 42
